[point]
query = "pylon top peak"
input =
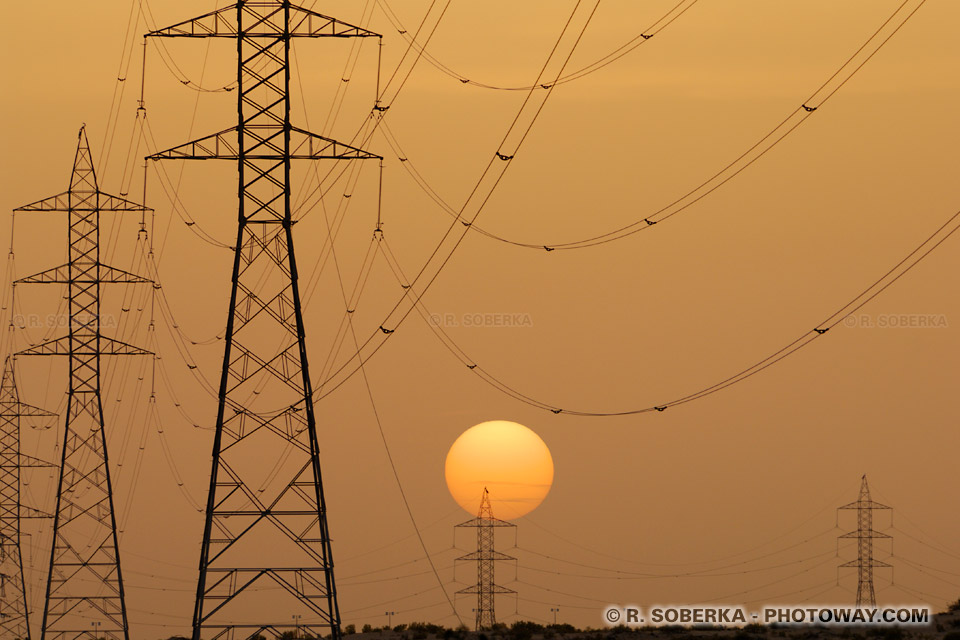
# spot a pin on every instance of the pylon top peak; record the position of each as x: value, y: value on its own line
x: 83, y: 178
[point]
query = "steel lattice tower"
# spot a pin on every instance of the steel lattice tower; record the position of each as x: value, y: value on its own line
x: 486, y: 557
x: 14, y: 612
x: 266, y: 519
x: 865, y: 535
x: 85, y: 585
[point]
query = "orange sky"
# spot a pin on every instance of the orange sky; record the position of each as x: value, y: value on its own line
x: 743, y: 473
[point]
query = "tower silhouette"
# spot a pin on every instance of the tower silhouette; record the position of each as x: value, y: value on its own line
x: 266, y: 518
x: 865, y: 535
x: 14, y: 611
x: 84, y: 584
x: 486, y: 557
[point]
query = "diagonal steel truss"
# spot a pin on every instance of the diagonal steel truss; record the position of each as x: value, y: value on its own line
x: 865, y: 535
x: 266, y: 566
x: 14, y: 612
x: 486, y: 557
x: 84, y: 595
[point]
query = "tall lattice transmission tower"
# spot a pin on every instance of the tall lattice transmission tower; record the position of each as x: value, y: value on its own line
x: 84, y: 585
x: 266, y: 518
x: 14, y: 611
x: 486, y: 557
x: 865, y: 535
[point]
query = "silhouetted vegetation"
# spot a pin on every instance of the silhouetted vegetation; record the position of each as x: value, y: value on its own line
x: 525, y: 630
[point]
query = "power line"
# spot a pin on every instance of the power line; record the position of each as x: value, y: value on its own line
x: 912, y: 259
x: 631, y: 45
x: 479, y: 197
x: 844, y: 73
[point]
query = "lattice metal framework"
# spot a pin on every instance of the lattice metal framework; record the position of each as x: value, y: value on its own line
x: 84, y: 594
x: 865, y: 535
x: 266, y: 518
x: 14, y: 612
x: 486, y: 557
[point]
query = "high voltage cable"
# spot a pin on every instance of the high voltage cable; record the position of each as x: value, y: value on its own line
x: 764, y: 586
x: 349, y: 307
x: 788, y: 563
x: 831, y: 583
x: 922, y: 568
x: 723, y: 384
x: 919, y: 594
x: 481, y: 196
x: 382, y: 104
x: 685, y: 574
x: 924, y: 543
x: 872, y: 291
x: 628, y: 47
x: 123, y: 73
x: 829, y: 505
x: 764, y: 145
x: 902, y: 514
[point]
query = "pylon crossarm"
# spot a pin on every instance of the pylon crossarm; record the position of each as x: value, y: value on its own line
x: 218, y: 146
x: 96, y: 273
x: 492, y: 555
x: 63, y: 202
x: 33, y: 514
x: 319, y: 147
x: 222, y: 23
x: 868, y: 504
x: 864, y: 534
x: 855, y: 564
x: 225, y: 145
x: 61, y: 347
x: 30, y: 461
x: 29, y: 411
x: 486, y: 522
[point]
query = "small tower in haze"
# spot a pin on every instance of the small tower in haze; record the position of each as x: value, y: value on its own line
x: 486, y: 557
x: 865, y: 535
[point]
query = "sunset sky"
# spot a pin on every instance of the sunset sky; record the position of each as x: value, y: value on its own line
x: 741, y: 485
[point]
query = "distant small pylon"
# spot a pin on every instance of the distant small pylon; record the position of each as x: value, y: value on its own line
x: 865, y: 535
x: 486, y: 556
x: 14, y: 613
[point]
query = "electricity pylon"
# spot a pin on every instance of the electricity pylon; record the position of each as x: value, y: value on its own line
x: 865, y: 535
x: 84, y: 595
x: 266, y: 519
x: 14, y: 612
x: 486, y: 557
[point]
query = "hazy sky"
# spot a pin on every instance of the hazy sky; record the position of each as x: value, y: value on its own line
x: 743, y: 482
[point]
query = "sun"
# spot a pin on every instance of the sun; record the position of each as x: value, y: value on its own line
x: 508, y: 459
